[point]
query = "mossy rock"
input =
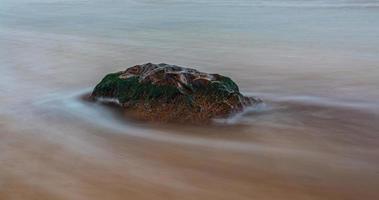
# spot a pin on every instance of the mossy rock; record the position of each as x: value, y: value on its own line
x: 169, y: 93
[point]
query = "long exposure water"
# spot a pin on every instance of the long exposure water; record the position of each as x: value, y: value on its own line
x: 315, y: 64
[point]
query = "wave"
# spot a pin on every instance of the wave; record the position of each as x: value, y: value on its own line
x: 102, y: 117
x: 319, y: 101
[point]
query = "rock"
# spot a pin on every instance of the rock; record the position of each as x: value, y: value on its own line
x: 169, y: 93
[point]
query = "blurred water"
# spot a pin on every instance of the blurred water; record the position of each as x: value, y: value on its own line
x: 334, y: 41
x: 314, y: 63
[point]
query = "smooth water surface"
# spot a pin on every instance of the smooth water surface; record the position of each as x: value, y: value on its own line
x: 315, y: 64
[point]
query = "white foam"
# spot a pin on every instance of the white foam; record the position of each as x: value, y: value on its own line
x: 237, y: 118
x: 108, y: 100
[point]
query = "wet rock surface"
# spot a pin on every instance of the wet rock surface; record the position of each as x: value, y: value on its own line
x: 169, y: 93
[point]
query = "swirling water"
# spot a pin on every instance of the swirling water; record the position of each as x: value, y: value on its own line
x: 314, y: 63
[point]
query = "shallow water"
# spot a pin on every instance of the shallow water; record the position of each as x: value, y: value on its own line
x: 314, y: 63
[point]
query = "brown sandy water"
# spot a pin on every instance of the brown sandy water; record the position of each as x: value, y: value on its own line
x: 316, y: 137
x: 56, y: 146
